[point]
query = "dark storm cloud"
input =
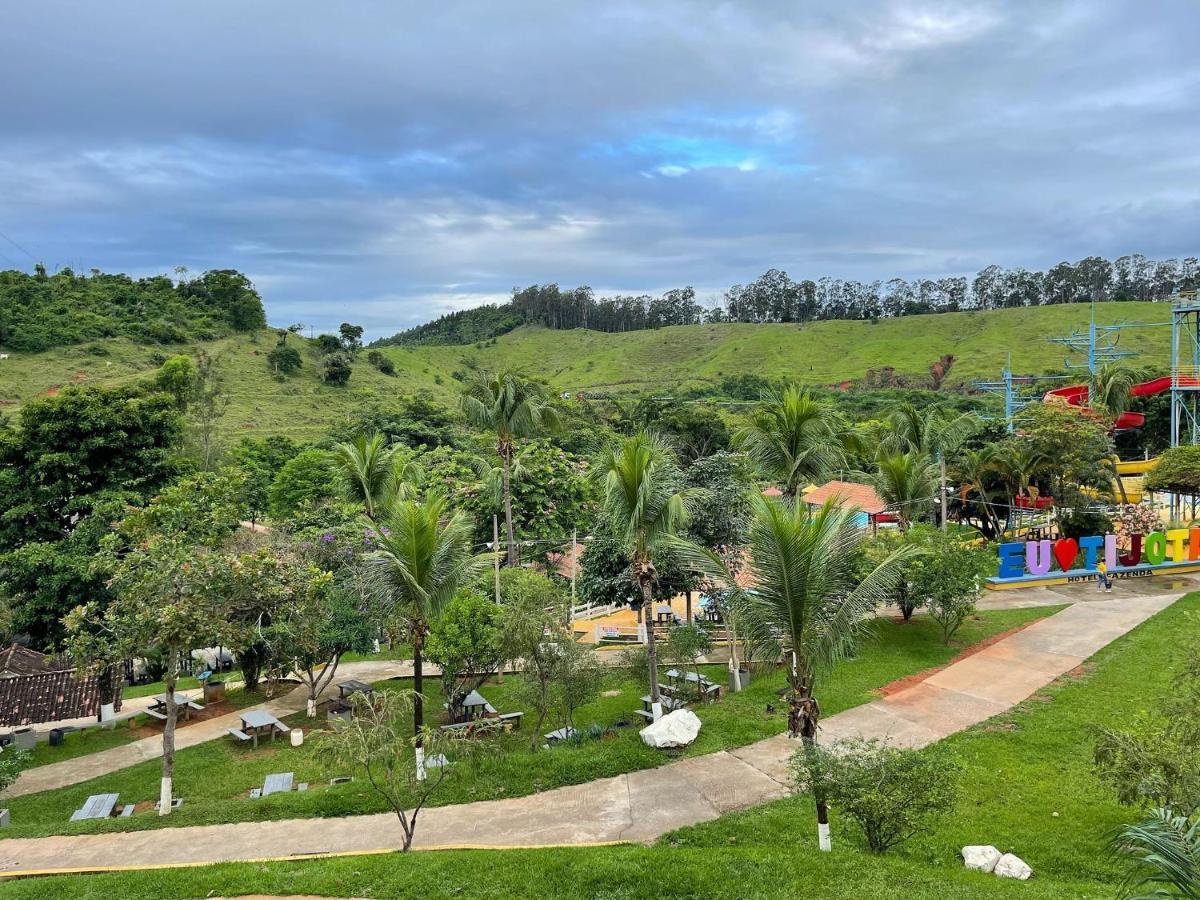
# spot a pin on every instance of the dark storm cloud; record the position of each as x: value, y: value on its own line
x: 385, y: 161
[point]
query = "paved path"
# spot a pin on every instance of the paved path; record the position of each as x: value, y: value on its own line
x: 642, y: 805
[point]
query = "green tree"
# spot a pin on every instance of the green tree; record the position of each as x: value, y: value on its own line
x: 173, y: 589
x: 577, y: 680
x: 308, y: 476
x: 207, y: 404
x: 686, y: 644
x: 644, y: 501
x: 1178, y: 471
x: 1110, y: 388
x: 376, y: 743
x: 351, y: 337
x: 258, y: 460
x: 466, y: 642
x: 937, y: 432
x: 946, y: 576
x: 905, y: 482
x: 365, y: 473
x: 511, y: 408
x: 793, y: 438
x: 424, y: 558
x: 284, y: 360
x: 335, y: 368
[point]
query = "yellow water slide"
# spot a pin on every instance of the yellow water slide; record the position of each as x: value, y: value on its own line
x: 1132, y: 474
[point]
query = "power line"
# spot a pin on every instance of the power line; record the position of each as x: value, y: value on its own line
x: 18, y: 246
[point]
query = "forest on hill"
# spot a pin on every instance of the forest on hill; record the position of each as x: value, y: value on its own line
x: 39, y: 311
x: 775, y: 297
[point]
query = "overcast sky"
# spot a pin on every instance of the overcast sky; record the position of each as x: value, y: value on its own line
x: 385, y: 162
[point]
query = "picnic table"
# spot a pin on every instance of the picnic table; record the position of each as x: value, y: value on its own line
x: 97, y: 806
x: 561, y: 734
x: 351, y: 687
x: 476, y: 706
x: 668, y: 703
x: 185, y: 703
x: 259, y: 721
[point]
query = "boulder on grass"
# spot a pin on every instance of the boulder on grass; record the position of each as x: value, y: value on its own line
x: 675, y: 729
x: 1010, y: 866
x: 980, y: 857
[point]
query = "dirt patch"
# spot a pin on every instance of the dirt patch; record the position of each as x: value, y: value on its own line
x: 52, y: 391
x: 79, y: 376
x: 908, y: 681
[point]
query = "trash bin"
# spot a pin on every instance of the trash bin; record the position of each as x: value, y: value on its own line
x: 297, y: 737
x: 56, y: 737
x: 214, y: 691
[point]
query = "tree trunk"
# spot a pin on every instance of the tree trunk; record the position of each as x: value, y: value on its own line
x: 688, y: 613
x: 419, y: 699
x: 506, y: 463
x: 804, y: 713
x: 647, y: 604
x: 942, y: 489
x: 168, y: 761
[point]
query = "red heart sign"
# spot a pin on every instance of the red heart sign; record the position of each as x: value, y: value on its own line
x: 1065, y: 551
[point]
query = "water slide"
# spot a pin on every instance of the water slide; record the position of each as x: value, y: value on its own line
x: 1076, y: 395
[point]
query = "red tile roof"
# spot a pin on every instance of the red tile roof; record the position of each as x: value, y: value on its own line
x: 845, y: 494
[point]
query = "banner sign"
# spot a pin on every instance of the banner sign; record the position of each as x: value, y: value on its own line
x: 1068, y: 559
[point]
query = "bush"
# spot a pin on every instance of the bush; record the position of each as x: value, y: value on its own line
x: 336, y: 368
x: 891, y: 792
x: 284, y: 360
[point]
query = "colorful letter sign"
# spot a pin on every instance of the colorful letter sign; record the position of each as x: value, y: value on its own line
x: 1076, y: 560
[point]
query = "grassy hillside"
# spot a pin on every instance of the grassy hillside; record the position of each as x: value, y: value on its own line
x: 670, y: 358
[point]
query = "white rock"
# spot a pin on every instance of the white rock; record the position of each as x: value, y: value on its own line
x: 675, y: 729
x: 1009, y: 866
x: 980, y: 857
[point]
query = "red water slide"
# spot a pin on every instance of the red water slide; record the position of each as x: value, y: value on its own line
x: 1076, y: 395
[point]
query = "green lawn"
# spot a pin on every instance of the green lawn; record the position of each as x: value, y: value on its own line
x: 92, y: 740
x: 820, y: 353
x: 214, y: 778
x: 1019, y: 769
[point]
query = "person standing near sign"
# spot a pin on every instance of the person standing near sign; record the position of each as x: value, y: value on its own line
x: 1105, y: 581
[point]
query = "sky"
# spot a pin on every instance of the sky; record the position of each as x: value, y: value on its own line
x: 386, y: 162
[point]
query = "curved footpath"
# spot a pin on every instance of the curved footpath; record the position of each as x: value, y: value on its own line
x: 641, y: 805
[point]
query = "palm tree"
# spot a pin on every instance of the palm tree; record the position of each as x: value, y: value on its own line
x: 935, y: 431
x: 1166, y: 848
x: 364, y: 469
x: 809, y: 596
x: 905, y: 481
x: 423, y: 557
x: 974, y: 467
x: 1110, y: 387
x: 647, y: 509
x: 511, y: 408
x: 793, y: 438
x: 375, y: 475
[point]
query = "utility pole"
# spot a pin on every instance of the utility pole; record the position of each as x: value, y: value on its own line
x: 574, y: 561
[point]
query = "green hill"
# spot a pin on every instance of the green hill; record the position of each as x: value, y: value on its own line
x: 820, y: 353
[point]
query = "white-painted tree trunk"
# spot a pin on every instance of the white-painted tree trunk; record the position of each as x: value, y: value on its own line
x: 823, y: 840
x: 420, y: 763
x: 108, y: 712
x: 164, y: 797
x: 312, y: 708
x: 656, y: 711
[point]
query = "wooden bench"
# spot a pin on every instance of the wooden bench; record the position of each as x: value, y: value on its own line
x: 240, y: 735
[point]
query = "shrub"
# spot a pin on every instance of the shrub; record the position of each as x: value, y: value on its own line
x: 336, y: 368
x: 891, y: 792
x: 284, y: 360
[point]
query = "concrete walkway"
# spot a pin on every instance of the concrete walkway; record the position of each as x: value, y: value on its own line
x: 641, y: 805
x: 93, y: 765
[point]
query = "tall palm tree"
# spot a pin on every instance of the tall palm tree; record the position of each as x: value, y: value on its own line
x: 423, y: 557
x: 935, y: 431
x: 974, y: 468
x: 905, y: 481
x: 809, y: 596
x: 793, y: 438
x: 511, y: 408
x: 647, y: 508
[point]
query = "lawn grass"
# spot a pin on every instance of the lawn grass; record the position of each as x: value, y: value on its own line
x: 214, y: 778
x: 1019, y: 769
x: 94, y: 739
x: 820, y: 353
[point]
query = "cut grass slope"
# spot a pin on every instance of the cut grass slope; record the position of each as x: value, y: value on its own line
x: 670, y: 358
x: 214, y: 778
